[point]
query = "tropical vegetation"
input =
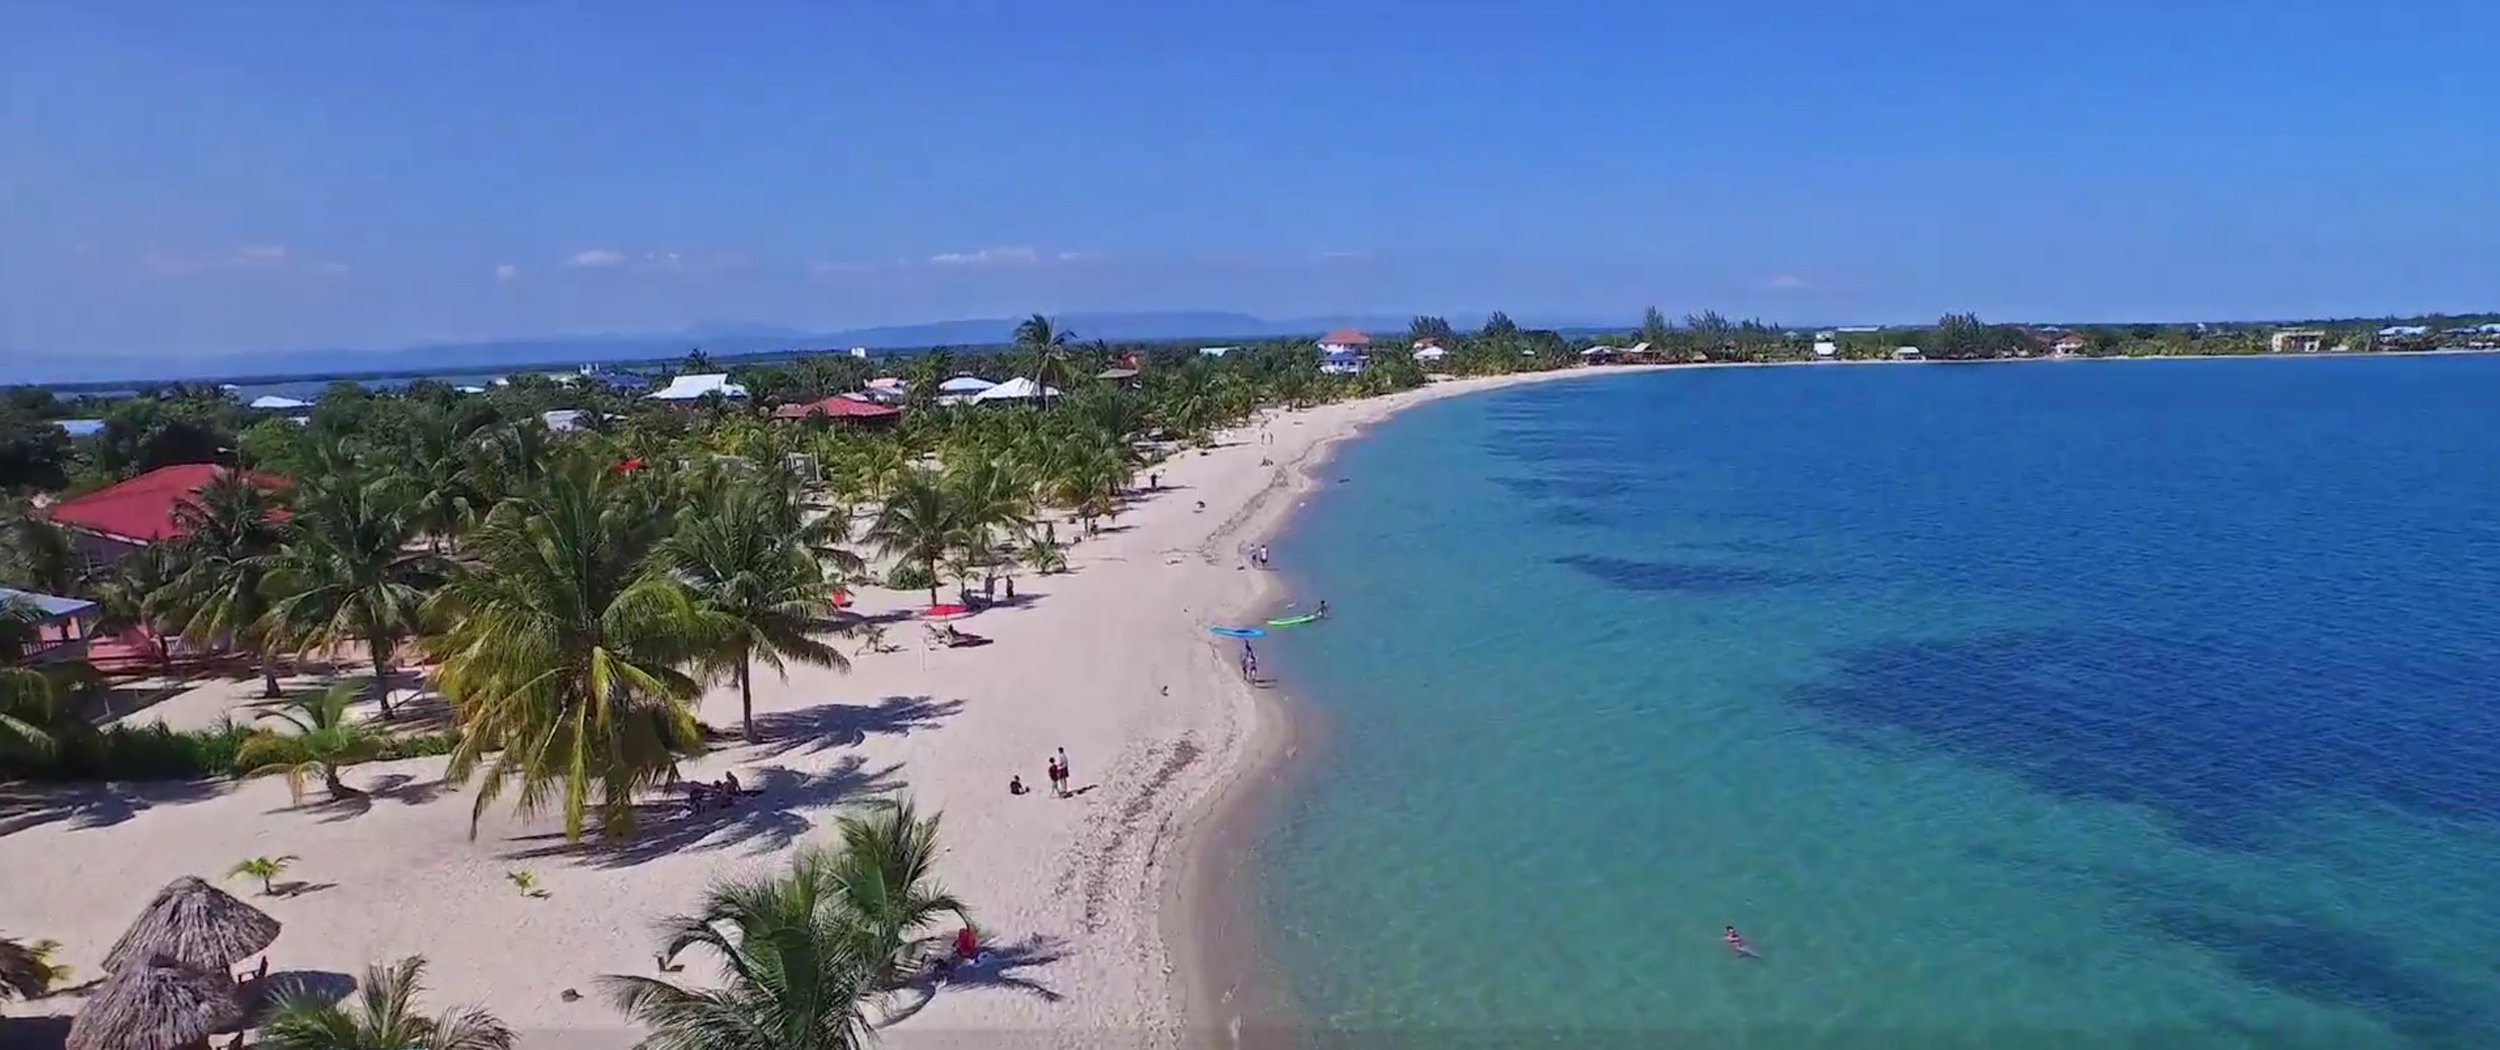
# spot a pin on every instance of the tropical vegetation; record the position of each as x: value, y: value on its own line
x: 815, y: 956
x: 383, y: 1015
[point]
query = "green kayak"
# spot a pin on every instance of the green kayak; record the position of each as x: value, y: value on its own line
x: 1289, y: 621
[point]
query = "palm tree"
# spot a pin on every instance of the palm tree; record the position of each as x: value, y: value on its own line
x: 1046, y: 353
x: 347, y: 572
x: 564, y: 648
x: 26, y: 693
x: 384, y: 1018
x: 35, y: 554
x: 230, y: 531
x: 813, y: 956
x: 324, y: 739
x: 441, y: 461
x: 753, y: 574
x: 266, y: 869
x: 135, y: 598
x: 918, y: 522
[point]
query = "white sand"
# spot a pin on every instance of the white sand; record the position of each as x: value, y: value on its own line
x: 1070, y: 889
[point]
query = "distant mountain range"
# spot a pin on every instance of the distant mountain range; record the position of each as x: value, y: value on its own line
x: 721, y: 340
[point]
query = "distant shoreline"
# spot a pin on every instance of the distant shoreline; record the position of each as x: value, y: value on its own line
x: 91, y: 388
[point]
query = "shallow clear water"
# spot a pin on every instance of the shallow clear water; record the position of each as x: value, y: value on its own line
x: 2137, y: 703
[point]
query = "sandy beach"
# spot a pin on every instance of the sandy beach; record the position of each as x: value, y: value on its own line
x: 1110, y: 660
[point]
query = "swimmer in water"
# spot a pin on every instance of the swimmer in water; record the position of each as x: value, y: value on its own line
x: 1736, y: 943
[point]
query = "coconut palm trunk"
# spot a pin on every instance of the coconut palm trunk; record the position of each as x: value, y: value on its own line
x: 380, y: 650
x: 268, y: 676
x: 746, y: 691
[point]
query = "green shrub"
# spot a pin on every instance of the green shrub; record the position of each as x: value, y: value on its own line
x: 908, y: 576
x: 153, y: 752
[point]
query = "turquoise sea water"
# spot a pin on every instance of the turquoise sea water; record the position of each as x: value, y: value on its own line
x: 2092, y: 704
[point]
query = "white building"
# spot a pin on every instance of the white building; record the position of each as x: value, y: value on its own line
x: 694, y: 387
x: 1429, y: 353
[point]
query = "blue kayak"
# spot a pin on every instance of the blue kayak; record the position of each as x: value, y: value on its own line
x: 1239, y: 632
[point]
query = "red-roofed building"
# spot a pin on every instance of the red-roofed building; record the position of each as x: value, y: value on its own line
x: 115, y: 520
x: 841, y: 408
x: 1344, y: 340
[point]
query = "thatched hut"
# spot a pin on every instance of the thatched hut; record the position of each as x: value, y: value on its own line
x: 159, y: 1004
x: 196, y: 924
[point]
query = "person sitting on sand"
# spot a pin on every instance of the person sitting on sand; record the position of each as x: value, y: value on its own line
x: 1015, y: 784
x: 967, y: 945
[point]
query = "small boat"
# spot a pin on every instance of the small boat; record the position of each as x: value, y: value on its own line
x: 1289, y: 621
x: 1239, y: 632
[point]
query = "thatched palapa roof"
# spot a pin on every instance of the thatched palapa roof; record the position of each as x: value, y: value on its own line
x: 156, y: 1005
x: 196, y: 924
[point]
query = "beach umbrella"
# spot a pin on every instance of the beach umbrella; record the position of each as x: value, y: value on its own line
x: 946, y: 612
x: 158, y: 1004
x: 196, y: 924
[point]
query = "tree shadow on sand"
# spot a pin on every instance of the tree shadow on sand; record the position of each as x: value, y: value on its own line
x: 765, y: 820
x: 826, y: 726
x: 999, y: 967
x: 322, y: 985
x: 83, y: 806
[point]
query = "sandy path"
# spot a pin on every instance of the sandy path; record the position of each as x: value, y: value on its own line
x: 1110, y: 661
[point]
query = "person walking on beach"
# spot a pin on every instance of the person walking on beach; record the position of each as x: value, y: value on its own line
x: 1249, y: 661
x: 1058, y: 777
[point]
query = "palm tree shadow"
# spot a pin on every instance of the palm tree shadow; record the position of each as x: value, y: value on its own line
x: 1002, y: 967
x: 95, y: 805
x: 998, y: 967
x: 765, y: 820
x: 826, y: 726
x: 322, y: 985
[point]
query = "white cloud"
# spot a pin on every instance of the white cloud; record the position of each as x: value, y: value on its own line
x: 507, y: 273
x: 1787, y: 283
x: 1078, y: 257
x: 656, y: 261
x: 999, y: 256
x: 163, y: 262
x: 262, y: 256
x: 1350, y: 255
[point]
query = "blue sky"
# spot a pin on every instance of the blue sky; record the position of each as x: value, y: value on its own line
x: 179, y: 179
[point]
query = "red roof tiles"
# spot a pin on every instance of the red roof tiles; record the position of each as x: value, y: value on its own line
x: 141, y: 510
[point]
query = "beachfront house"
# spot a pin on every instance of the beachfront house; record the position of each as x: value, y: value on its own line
x: 1825, y: 349
x: 1598, y: 355
x: 1216, y: 351
x: 562, y: 420
x: 112, y: 522
x: 2070, y: 344
x: 2296, y: 341
x: 278, y: 403
x: 1343, y: 351
x: 1907, y: 353
x: 60, y: 628
x: 1429, y: 352
x: 842, y: 409
x: 1014, y: 390
x: 690, y: 388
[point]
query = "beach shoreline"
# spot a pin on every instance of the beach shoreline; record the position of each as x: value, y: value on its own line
x: 1087, y: 900
x: 1208, y: 915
